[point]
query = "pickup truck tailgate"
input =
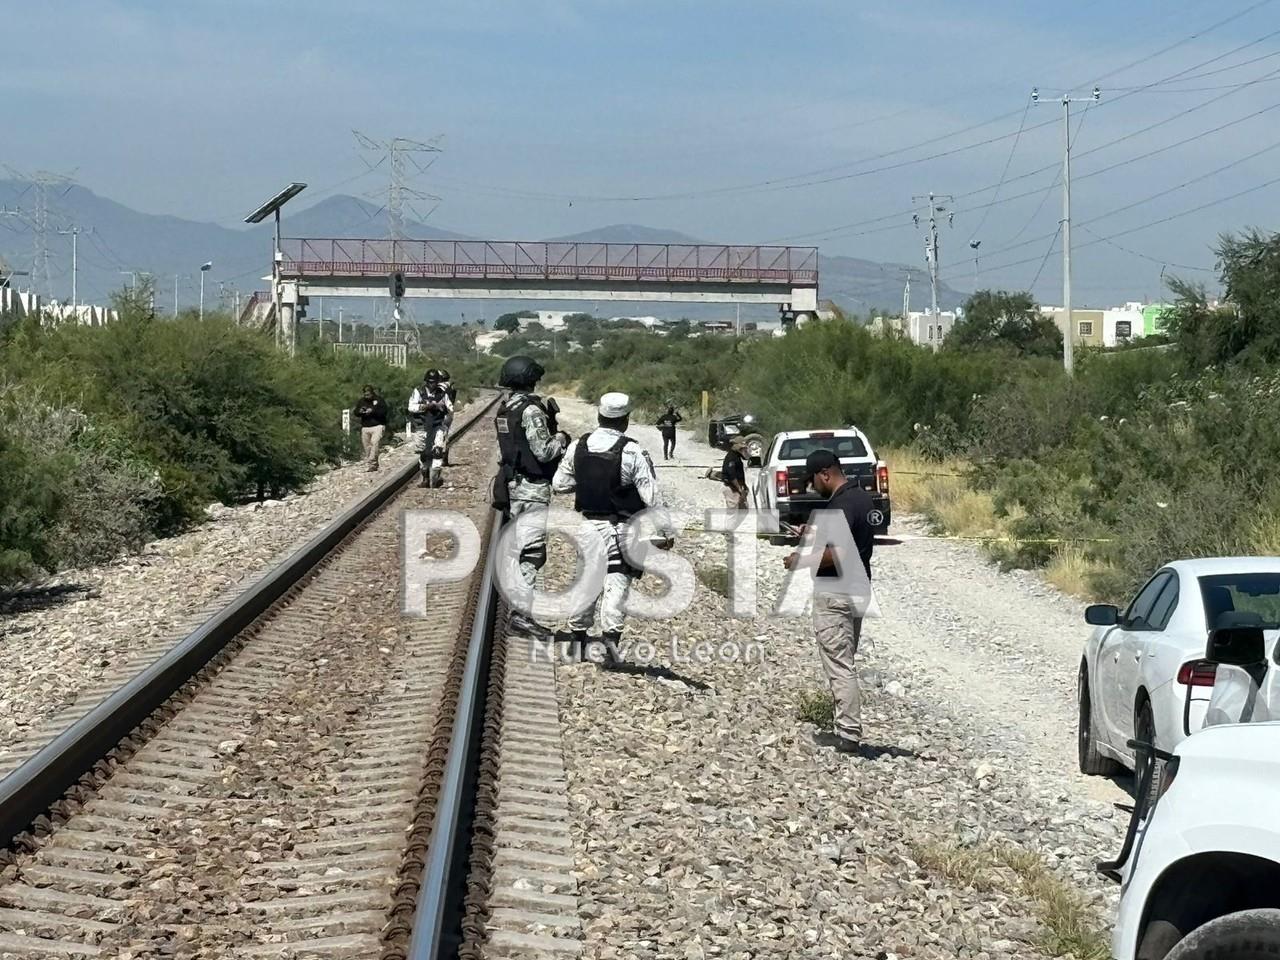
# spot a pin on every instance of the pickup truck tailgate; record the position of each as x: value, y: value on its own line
x: 863, y: 474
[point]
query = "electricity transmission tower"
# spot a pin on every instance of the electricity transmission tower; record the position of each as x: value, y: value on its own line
x: 938, y: 204
x: 41, y: 182
x: 406, y: 159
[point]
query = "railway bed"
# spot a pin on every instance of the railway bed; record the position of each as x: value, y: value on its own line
x: 311, y: 791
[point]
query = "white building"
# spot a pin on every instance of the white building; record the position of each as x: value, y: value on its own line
x: 1122, y: 324
x: 928, y: 330
x: 485, y: 341
x: 24, y: 303
x: 550, y: 319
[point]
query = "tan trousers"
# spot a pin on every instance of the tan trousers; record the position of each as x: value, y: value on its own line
x: 371, y: 442
x: 838, y: 628
x: 735, y: 500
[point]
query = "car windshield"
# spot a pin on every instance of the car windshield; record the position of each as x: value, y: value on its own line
x: 844, y: 447
x: 1241, y: 599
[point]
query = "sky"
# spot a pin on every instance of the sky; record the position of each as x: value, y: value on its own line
x: 805, y: 121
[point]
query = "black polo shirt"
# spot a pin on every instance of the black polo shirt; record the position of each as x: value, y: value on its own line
x: 732, y: 470
x: 855, y: 503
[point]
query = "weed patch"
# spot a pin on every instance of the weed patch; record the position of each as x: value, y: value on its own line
x: 1069, y: 928
x: 816, y: 707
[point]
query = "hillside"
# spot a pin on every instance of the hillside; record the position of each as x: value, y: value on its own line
x: 118, y: 240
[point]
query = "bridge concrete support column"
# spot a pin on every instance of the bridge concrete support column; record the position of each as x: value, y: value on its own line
x: 288, y: 316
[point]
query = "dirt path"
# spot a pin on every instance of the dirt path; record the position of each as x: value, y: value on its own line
x: 997, y: 652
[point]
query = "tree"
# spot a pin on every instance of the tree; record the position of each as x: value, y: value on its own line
x: 1248, y: 328
x: 997, y: 318
x: 509, y: 322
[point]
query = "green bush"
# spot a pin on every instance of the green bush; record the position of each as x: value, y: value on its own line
x: 28, y: 495
x: 114, y: 435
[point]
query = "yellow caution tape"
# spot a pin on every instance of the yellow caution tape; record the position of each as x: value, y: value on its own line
x: 1047, y: 540
x: 904, y: 537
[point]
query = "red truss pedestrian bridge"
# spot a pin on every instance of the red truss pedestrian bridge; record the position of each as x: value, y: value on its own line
x: 486, y: 269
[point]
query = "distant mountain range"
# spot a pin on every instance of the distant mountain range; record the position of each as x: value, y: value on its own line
x: 117, y: 240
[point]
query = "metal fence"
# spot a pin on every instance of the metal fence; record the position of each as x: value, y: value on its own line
x: 396, y: 354
x: 491, y: 260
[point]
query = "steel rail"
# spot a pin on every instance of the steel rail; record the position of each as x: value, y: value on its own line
x: 437, y: 927
x: 41, y: 781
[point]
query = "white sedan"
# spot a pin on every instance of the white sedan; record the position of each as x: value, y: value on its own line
x: 1138, y: 663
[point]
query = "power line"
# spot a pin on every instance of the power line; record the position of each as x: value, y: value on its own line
x: 1156, y: 196
x: 1156, y: 223
x: 1185, y: 40
x: 1045, y: 259
x: 837, y: 231
x: 789, y: 182
x: 1164, y: 262
x: 1003, y: 173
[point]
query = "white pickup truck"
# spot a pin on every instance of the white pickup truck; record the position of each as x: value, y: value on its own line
x: 781, y: 492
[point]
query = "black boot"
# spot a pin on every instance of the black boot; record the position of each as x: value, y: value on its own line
x: 611, y: 642
x: 575, y: 642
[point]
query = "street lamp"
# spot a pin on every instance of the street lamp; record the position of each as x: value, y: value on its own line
x: 269, y: 208
x: 204, y: 268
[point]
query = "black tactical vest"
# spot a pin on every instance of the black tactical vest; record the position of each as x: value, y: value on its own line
x: 430, y: 419
x: 514, y: 445
x: 600, y: 494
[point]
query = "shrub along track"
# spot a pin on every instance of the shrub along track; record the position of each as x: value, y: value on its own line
x: 281, y: 801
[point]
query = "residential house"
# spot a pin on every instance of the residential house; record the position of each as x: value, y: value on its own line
x: 928, y: 330
x: 1087, y: 325
x: 1155, y: 317
x: 1122, y: 324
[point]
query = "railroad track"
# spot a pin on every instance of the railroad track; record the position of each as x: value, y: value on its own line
x: 304, y: 774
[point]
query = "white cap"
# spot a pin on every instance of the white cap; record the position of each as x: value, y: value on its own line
x: 614, y: 405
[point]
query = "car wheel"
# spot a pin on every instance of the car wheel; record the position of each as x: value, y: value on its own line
x: 1091, y: 761
x: 1150, y: 768
x: 1247, y: 935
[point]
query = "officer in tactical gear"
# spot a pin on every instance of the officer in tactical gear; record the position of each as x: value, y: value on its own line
x: 531, y: 445
x: 446, y: 384
x: 429, y: 406
x: 613, y: 479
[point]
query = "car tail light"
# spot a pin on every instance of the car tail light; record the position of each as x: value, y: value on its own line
x: 822, y: 436
x: 882, y: 478
x: 780, y: 483
x: 1198, y: 673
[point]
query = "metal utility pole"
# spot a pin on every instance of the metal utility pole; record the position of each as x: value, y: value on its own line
x: 339, y: 324
x: 204, y: 268
x: 74, y: 233
x: 938, y: 203
x: 1068, y: 334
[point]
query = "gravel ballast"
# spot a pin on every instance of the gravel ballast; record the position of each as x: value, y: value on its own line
x: 708, y: 824
x: 115, y: 611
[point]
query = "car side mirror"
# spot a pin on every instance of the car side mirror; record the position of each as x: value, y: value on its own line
x: 1236, y: 646
x: 1101, y: 615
